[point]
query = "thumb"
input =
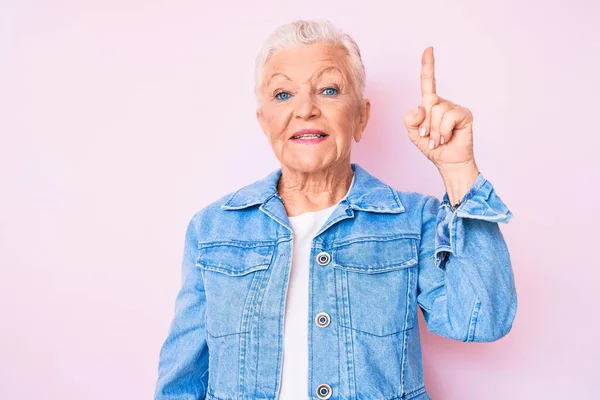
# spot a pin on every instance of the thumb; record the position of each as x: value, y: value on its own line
x: 413, y: 120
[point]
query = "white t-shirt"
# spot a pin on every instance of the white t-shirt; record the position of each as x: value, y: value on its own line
x: 294, y: 379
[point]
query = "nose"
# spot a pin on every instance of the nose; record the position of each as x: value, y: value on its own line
x: 306, y: 107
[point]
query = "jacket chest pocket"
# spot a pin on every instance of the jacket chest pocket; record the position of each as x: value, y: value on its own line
x: 376, y: 282
x: 232, y: 275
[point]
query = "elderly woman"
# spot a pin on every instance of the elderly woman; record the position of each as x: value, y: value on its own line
x: 305, y: 284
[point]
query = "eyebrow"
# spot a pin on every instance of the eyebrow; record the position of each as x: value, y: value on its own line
x: 274, y: 75
x: 317, y: 76
x: 327, y: 69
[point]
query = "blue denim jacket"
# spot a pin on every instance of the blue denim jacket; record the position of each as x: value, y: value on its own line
x: 381, y: 253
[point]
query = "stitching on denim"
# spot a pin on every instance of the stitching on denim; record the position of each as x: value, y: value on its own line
x: 339, y: 336
x: 375, y: 209
x: 351, y: 267
x: 473, y: 320
x: 452, y: 229
x: 351, y: 371
x: 249, y: 307
x: 373, y: 334
x: 240, y: 372
x: 273, y: 216
x: 375, y: 238
x: 281, y: 325
x: 348, y: 324
x: 381, y: 267
x: 266, y: 281
x: 310, y: 330
x: 408, y: 322
x: 224, y: 270
x: 341, y: 315
x: 266, y: 261
x: 412, y: 394
x: 258, y: 337
x: 405, y: 337
x: 339, y: 356
x: 396, y: 197
x: 232, y: 196
x: 227, y: 334
x: 349, y: 303
x: 238, y: 243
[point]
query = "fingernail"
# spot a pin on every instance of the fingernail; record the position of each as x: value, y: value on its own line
x: 431, y: 143
x: 442, y: 140
x: 422, y: 131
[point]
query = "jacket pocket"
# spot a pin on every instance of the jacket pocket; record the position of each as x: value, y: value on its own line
x: 232, y: 273
x: 376, y: 283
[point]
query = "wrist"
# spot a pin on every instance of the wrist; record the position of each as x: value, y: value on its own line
x: 458, y: 179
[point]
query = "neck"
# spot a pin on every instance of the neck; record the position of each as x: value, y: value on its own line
x: 315, y: 190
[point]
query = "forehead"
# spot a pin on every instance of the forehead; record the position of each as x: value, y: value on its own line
x: 303, y: 62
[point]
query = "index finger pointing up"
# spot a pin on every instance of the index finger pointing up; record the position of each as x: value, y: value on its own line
x: 427, y: 72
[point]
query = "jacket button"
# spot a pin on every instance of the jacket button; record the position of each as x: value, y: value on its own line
x: 322, y: 319
x: 323, y: 391
x: 323, y: 258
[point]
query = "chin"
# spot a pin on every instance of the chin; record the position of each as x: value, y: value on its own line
x: 306, y: 164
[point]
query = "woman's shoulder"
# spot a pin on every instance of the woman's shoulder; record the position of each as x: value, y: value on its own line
x: 252, y: 193
x: 375, y: 189
x: 410, y: 200
x: 214, y: 207
x: 413, y: 197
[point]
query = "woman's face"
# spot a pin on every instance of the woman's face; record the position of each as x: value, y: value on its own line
x: 309, y: 90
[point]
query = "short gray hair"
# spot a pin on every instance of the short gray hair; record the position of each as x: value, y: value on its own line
x: 302, y: 33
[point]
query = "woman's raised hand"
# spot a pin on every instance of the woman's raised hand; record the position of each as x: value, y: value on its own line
x: 442, y: 130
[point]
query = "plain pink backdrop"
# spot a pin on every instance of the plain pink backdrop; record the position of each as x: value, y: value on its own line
x: 120, y: 119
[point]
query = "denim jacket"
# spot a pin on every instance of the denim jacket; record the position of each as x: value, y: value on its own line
x: 381, y: 253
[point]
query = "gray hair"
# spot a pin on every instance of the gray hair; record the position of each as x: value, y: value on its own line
x: 302, y: 33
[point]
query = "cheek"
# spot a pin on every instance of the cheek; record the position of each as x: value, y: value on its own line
x: 276, y: 119
x: 343, y: 116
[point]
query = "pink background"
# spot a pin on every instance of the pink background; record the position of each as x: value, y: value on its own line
x: 120, y: 119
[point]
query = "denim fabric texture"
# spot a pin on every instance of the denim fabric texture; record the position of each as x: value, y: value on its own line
x: 381, y: 255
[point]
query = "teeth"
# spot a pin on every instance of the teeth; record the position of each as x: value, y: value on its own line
x: 309, y: 135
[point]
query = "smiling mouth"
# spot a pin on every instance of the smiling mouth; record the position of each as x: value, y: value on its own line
x: 309, y: 136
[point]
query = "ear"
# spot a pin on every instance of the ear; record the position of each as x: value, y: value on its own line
x: 364, y: 115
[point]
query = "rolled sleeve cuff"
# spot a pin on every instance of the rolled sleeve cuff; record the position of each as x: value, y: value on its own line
x: 480, y: 202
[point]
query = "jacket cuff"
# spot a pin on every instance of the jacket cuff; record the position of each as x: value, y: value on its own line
x: 480, y: 202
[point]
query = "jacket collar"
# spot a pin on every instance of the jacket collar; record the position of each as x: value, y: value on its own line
x: 366, y: 194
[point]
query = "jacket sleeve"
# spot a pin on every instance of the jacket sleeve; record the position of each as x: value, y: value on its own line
x: 466, y: 285
x: 183, y: 360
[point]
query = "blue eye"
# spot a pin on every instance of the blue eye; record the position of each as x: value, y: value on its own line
x: 330, y: 91
x: 282, y: 96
